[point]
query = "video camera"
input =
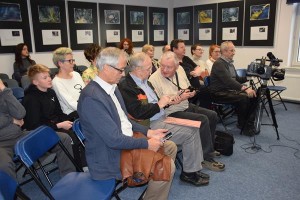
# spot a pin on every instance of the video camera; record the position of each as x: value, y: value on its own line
x: 265, y: 72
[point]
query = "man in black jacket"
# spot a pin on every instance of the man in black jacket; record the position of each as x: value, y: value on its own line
x: 226, y: 86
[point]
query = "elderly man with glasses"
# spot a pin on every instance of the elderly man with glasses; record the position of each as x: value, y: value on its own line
x: 227, y: 87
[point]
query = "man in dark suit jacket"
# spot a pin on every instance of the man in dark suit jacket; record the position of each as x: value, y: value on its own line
x: 227, y: 87
x: 104, y: 121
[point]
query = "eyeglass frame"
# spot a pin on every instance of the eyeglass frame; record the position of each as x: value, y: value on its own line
x: 71, y: 61
x: 118, y: 69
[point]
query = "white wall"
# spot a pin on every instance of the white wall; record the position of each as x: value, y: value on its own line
x: 244, y: 55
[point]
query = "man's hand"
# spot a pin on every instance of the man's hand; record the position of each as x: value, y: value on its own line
x: 196, y: 72
x: 157, y: 133
x: 18, y: 122
x: 65, y: 125
x: 163, y: 101
x: 251, y: 93
x: 187, y: 94
x: 154, y: 144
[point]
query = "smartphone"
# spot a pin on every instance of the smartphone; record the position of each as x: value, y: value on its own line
x: 167, y: 136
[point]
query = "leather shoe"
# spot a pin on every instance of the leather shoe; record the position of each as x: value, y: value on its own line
x: 193, y: 179
x: 202, y: 175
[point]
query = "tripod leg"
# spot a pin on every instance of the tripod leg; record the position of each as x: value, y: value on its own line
x: 272, y: 112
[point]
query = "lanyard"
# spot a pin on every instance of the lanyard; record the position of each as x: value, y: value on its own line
x: 177, y: 81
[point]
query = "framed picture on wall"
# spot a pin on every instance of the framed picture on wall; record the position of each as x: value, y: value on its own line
x: 136, y: 23
x: 260, y: 20
x: 83, y: 23
x: 183, y: 24
x: 14, y: 25
x: 158, y: 26
x: 205, y: 21
x: 230, y: 22
x: 49, y: 24
x: 111, y: 23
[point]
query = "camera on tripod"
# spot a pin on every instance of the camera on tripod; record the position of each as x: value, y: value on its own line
x: 259, y: 68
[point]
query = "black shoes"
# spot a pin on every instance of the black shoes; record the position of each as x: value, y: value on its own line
x: 194, y: 178
x: 202, y: 175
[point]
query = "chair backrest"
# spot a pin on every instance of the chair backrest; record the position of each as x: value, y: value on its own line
x: 18, y: 92
x: 4, y: 76
x: 8, y: 186
x: 11, y: 83
x: 206, y: 81
x: 80, y: 68
x: 241, y: 72
x: 35, y: 144
x: 77, y: 129
x: 25, y: 82
x: 53, y: 72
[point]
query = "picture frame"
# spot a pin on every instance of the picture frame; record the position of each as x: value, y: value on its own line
x: 205, y: 18
x: 230, y: 22
x: 158, y: 26
x: 83, y: 23
x: 137, y: 23
x: 14, y: 25
x: 260, y: 17
x: 49, y: 24
x: 184, y: 24
x: 111, y: 18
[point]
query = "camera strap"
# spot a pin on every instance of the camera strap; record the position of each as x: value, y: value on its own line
x: 177, y: 81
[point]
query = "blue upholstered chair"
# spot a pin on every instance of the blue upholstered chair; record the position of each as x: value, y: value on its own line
x: 75, y: 185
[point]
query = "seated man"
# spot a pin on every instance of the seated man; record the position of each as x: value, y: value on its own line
x: 194, y: 74
x: 42, y: 108
x: 226, y: 87
x: 170, y: 79
x: 11, y: 120
x: 135, y: 86
x: 108, y: 131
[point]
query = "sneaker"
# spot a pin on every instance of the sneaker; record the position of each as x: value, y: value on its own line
x: 192, y: 178
x: 213, y: 165
x: 202, y: 175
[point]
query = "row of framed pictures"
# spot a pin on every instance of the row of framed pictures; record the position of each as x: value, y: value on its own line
x: 215, y: 23
x: 50, y: 24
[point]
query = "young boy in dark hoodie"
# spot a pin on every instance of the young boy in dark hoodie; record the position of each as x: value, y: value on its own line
x: 11, y: 119
x: 43, y: 108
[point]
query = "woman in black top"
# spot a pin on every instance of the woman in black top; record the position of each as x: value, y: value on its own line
x: 22, y: 61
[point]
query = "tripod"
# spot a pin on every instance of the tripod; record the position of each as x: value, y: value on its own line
x: 264, y: 94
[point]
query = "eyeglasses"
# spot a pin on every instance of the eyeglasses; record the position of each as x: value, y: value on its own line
x: 217, y: 51
x: 71, y: 61
x: 120, y: 70
x: 200, y: 49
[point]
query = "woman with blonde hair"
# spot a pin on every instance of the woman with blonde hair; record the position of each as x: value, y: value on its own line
x: 149, y: 50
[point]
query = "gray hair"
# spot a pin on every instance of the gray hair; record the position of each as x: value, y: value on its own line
x: 170, y: 55
x: 109, y: 56
x: 136, y: 60
x: 60, y: 54
x: 147, y: 47
x: 224, y: 46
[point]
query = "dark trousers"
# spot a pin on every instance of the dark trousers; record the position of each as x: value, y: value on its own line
x: 245, y: 106
x: 207, y: 129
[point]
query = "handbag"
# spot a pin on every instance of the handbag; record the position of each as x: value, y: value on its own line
x: 224, y: 143
x: 139, y: 166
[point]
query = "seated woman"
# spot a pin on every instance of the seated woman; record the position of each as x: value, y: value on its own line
x: 149, y: 50
x: 11, y: 119
x: 214, y: 54
x: 42, y: 108
x: 197, y: 52
x: 22, y: 61
x: 67, y: 84
x: 91, y: 54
